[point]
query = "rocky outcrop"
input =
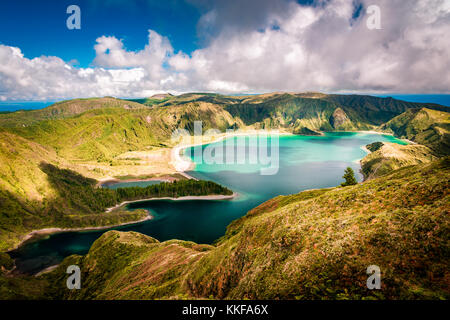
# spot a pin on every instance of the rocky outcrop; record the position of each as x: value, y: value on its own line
x: 339, y: 119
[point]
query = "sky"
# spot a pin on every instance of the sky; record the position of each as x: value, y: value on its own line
x: 137, y: 48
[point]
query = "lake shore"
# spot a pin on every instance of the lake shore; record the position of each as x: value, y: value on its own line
x: 209, y: 197
x: 374, y: 132
x: 112, y: 181
x: 183, y: 163
x: 388, y: 134
x: 364, y: 148
x: 48, y: 231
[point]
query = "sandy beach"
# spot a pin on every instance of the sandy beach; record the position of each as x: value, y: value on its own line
x: 374, y: 132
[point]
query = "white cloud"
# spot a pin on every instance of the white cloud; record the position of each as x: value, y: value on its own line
x: 111, y: 53
x: 317, y: 49
x: 300, y: 48
x: 48, y: 78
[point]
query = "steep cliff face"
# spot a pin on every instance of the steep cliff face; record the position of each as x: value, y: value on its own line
x: 339, y: 119
x: 313, y: 245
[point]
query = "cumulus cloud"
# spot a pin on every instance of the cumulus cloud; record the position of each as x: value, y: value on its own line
x: 281, y: 46
x: 50, y: 78
x: 322, y: 48
x: 111, y: 53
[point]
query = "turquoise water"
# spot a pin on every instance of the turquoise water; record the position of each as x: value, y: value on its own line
x: 130, y: 184
x: 304, y: 163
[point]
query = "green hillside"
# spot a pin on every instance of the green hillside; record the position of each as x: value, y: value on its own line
x: 387, y: 157
x: 302, y: 111
x: 64, y: 109
x: 312, y: 245
x: 74, y: 202
x: 378, y: 110
x: 102, y: 134
x: 78, y: 203
x: 424, y: 126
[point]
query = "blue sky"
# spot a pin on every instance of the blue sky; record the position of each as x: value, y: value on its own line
x: 39, y: 27
x: 137, y: 48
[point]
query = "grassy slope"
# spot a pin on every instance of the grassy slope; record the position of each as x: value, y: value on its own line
x: 313, y: 245
x: 64, y: 109
x: 74, y: 203
x: 149, y: 269
x: 392, y: 156
x: 103, y: 134
x: 95, y: 135
x: 424, y: 126
x: 19, y: 166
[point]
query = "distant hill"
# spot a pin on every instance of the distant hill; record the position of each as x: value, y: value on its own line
x: 64, y: 109
x: 153, y: 100
x: 295, y: 112
x: 301, y: 112
x: 378, y: 110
